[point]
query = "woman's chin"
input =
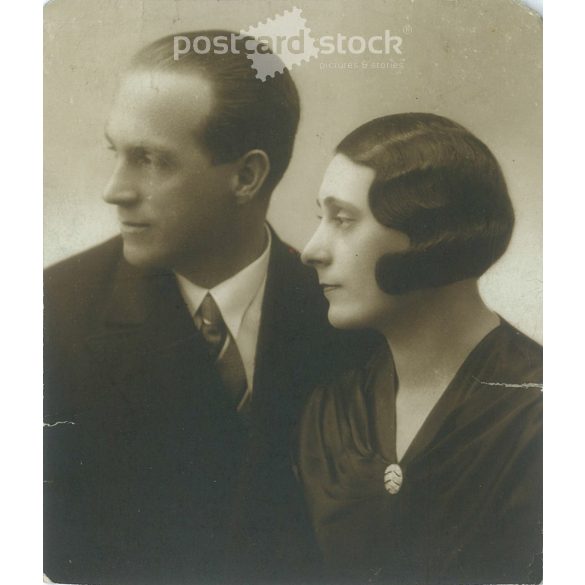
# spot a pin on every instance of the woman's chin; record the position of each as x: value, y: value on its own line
x: 344, y: 320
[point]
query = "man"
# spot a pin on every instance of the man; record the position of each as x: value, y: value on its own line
x: 178, y: 356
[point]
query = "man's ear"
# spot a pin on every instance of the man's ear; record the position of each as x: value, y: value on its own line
x: 253, y: 169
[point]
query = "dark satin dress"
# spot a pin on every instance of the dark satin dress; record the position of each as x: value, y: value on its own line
x: 469, y: 509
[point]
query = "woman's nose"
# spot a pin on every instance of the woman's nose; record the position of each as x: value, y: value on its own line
x: 316, y: 252
x: 120, y: 189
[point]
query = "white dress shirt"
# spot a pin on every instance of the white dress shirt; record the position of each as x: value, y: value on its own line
x: 239, y: 299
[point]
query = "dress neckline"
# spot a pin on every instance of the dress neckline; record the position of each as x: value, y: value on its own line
x: 382, y: 403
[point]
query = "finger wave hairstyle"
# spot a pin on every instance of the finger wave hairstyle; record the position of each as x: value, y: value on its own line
x: 248, y: 113
x: 441, y: 186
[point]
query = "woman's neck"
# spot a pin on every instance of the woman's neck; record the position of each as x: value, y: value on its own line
x: 435, y: 330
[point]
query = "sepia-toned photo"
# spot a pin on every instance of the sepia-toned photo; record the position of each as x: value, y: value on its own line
x: 292, y: 292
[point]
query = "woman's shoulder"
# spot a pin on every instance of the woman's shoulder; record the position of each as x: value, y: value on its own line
x: 336, y: 419
x: 337, y: 411
x: 338, y: 386
x: 514, y: 357
x: 525, y: 348
x: 502, y: 381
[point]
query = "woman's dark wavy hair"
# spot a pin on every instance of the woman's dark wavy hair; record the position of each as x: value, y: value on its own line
x: 443, y: 188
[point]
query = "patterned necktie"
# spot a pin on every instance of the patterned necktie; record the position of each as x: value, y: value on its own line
x: 222, y: 349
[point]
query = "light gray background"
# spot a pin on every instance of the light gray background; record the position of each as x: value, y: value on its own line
x: 478, y: 62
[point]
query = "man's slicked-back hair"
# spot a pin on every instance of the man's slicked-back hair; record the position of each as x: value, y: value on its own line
x: 443, y: 188
x: 247, y: 113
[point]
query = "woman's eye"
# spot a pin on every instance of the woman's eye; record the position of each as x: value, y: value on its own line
x: 342, y: 220
x: 338, y: 220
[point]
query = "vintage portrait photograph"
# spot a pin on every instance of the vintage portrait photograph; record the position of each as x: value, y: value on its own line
x: 292, y: 292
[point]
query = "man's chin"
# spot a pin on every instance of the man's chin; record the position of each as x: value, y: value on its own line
x: 141, y: 257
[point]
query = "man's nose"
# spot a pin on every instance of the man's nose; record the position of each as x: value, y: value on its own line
x: 121, y: 190
x: 316, y: 252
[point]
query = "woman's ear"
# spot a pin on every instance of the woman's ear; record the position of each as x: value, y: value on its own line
x: 253, y: 169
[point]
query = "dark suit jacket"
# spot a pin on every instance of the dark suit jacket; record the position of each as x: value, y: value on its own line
x: 150, y: 477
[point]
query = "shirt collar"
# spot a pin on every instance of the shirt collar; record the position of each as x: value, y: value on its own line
x: 234, y: 295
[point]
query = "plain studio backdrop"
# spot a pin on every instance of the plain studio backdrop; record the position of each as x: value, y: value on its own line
x: 478, y: 62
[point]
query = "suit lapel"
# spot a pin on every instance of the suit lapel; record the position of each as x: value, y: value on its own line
x: 154, y: 354
x: 266, y: 495
x: 277, y: 336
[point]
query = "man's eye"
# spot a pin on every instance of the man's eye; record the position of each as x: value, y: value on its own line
x: 144, y: 159
x: 149, y: 160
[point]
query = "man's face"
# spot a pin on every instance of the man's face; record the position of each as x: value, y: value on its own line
x: 174, y: 206
x: 347, y: 245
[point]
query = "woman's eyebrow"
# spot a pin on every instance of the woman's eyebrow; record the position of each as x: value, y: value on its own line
x: 331, y: 201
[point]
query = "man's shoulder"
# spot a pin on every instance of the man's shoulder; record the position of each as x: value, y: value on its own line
x: 302, y: 305
x: 286, y: 265
x: 283, y: 252
x: 92, y: 262
x: 293, y: 293
x: 80, y: 279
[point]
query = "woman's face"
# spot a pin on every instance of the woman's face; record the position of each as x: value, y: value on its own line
x: 346, y: 246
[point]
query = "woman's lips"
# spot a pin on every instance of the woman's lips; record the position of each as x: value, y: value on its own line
x: 133, y: 227
x: 329, y: 287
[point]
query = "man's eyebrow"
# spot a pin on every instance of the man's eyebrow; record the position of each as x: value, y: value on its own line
x: 150, y: 146
x: 330, y: 200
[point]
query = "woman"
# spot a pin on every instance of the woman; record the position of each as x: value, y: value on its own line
x: 425, y: 465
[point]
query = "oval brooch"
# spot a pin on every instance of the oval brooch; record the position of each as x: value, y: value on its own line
x: 393, y: 478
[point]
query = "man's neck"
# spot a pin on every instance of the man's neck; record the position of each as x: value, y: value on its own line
x: 237, y: 252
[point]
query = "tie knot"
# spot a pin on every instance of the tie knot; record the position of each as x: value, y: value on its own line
x: 211, y: 324
x: 222, y: 349
x: 209, y: 311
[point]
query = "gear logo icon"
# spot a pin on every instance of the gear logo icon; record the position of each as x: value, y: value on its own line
x: 289, y: 39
